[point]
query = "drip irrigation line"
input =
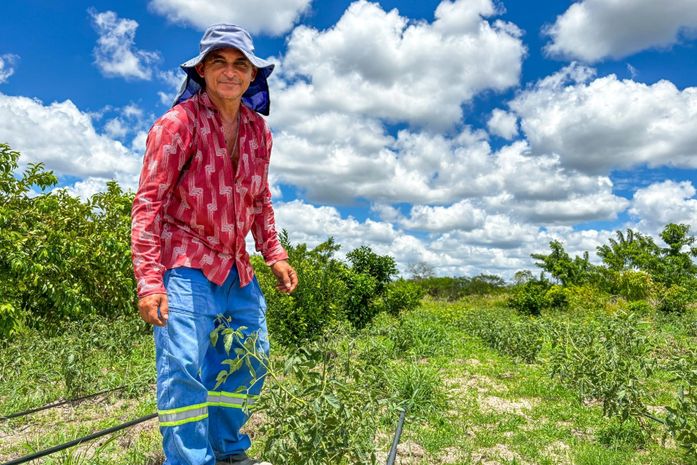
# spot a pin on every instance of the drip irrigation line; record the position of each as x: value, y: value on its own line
x: 60, y: 447
x: 59, y: 403
x: 395, y: 442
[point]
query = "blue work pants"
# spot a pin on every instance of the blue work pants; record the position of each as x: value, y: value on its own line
x: 200, y: 423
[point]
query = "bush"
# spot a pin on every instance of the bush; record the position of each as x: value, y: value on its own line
x: 556, y: 299
x: 634, y: 285
x: 605, y: 359
x: 682, y: 415
x: 521, y: 338
x: 61, y: 258
x: 318, y: 404
x: 529, y: 298
x: 319, y: 300
x: 674, y: 299
x: 402, y: 295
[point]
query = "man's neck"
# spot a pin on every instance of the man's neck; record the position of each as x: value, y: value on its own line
x: 228, y: 108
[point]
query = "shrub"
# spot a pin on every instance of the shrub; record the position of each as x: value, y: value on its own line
x: 674, y: 299
x: 634, y: 285
x: 556, y: 299
x: 521, y: 338
x: 682, y: 415
x: 402, y: 295
x: 586, y: 298
x: 605, y: 359
x: 61, y: 258
x: 319, y: 300
x: 529, y: 298
x: 318, y: 407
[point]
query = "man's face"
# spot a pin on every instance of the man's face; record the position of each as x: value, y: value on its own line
x: 227, y: 73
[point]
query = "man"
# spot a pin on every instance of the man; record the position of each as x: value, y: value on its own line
x: 202, y: 188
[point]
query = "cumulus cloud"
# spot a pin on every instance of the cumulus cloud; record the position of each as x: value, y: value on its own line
x: 596, y: 125
x: 591, y: 30
x: 503, y: 124
x: 115, y: 53
x: 462, y: 215
x: 64, y: 138
x: 665, y: 202
x: 273, y: 17
x: 379, y: 64
x: 8, y: 63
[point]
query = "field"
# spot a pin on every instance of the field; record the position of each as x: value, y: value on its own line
x: 483, y: 385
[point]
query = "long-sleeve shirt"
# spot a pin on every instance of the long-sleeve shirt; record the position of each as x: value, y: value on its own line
x: 199, y: 216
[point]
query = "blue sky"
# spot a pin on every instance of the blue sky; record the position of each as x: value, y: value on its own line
x: 466, y: 134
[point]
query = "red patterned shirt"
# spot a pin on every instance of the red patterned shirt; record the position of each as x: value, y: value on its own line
x: 199, y: 216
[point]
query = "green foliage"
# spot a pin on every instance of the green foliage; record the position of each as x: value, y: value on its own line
x: 318, y: 405
x: 556, y: 298
x: 530, y: 298
x: 420, y: 388
x: 367, y: 281
x: 402, y: 295
x: 633, y: 285
x: 330, y: 291
x: 561, y: 267
x: 682, y: 415
x: 631, y: 250
x: 674, y: 299
x: 606, y: 360
x: 60, y: 258
x: 412, y: 336
x: 449, y: 288
x: 519, y: 337
x: 317, y: 303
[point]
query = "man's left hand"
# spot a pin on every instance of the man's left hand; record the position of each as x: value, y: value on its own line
x: 286, y: 276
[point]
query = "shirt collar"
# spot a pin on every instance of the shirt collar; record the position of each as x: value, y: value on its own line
x: 206, y: 101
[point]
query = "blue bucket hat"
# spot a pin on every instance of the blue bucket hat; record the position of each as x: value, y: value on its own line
x: 229, y: 36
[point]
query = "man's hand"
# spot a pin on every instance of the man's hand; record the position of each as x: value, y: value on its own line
x: 285, y: 275
x: 148, y: 307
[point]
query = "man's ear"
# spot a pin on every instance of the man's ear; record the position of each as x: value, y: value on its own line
x: 199, y: 69
x: 255, y: 70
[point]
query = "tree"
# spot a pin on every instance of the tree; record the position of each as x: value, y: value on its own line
x: 420, y: 271
x: 560, y: 266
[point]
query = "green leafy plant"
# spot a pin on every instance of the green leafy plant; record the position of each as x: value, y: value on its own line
x: 317, y: 405
x: 607, y: 360
x: 520, y: 337
x: 681, y: 420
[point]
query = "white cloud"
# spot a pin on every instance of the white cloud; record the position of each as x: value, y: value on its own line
x: 86, y: 188
x: 258, y: 16
x: 503, y: 124
x: 115, y: 128
x: 173, y: 79
x: 8, y: 63
x: 591, y: 30
x: 64, y: 138
x: 138, y: 142
x: 663, y: 203
x: 606, y: 123
x: 462, y: 215
x: 115, y: 54
x: 378, y: 64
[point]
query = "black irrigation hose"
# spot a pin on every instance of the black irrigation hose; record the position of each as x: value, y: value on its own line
x: 59, y: 403
x: 60, y: 447
x: 393, y: 450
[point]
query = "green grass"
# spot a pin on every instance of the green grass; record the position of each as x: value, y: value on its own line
x: 469, y: 403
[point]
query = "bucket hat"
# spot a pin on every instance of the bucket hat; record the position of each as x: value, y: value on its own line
x: 228, y: 36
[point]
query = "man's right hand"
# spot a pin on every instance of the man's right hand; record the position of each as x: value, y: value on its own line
x: 148, y: 306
